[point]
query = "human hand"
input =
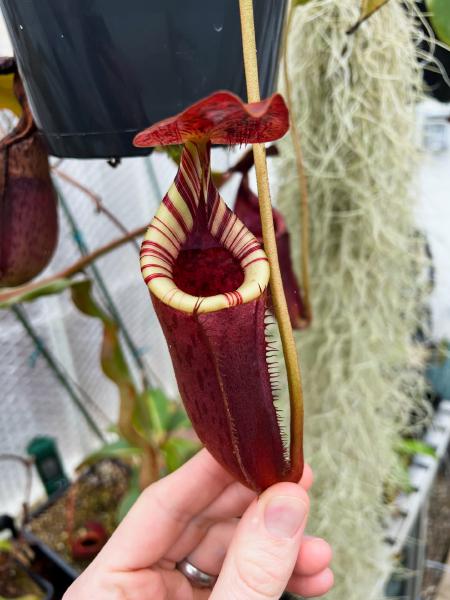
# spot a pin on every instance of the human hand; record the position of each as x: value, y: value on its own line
x: 195, y: 513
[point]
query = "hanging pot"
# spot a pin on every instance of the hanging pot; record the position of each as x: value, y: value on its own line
x: 98, y: 71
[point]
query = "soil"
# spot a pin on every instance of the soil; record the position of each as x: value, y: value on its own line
x: 15, y: 582
x: 438, y: 533
x: 95, y: 497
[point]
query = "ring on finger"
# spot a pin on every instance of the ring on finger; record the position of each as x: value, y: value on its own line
x: 197, y: 578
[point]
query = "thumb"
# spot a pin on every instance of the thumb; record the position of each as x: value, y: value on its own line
x: 264, y: 549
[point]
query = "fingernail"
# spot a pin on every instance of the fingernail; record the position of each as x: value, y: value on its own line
x: 284, y: 515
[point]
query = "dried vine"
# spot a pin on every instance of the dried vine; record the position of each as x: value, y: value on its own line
x: 301, y: 173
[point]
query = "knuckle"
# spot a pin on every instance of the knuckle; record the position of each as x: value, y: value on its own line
x: 262, y: 576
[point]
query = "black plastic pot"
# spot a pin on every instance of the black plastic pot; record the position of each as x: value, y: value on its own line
x: 45, y: 587
x: 98, y: 71
x: 7, y: 523
x: 51, y: 565
x: 48, y: 562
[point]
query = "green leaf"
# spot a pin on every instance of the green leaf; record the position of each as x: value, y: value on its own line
x: 113, y: 429
x: 296, y: 3
x: 16, y: 296
x: 177, y: 451
x: 26, y: 597
x: 403, y: 479
x: 409, y: 447
x: 142, y: 420
x: 156, y: 416
x: 8, y: 99
x: 127, y: 502
x: 6, y: 546
x: 112, y: 358
x: 120, y: 449
x: 440, y: 18
x: 368, y: 8
x: 159, y: 410
x: 173, y: 152
x: 130, y: 497
x: 179, y: 420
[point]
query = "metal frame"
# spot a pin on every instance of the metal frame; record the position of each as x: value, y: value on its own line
x: 406, y: 529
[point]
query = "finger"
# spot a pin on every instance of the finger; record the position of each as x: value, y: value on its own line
x: 145, y: 584
x: 315, y: 556
x: 311, y: 587
x: 234, y: 500
x: 307, y: 478
x: 163, y: 511
x: 264, y: 550
x: 201, y: 594
x: 209, y: 555
x: 178, y: 587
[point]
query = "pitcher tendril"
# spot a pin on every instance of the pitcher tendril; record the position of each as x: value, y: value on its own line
x: 276, y: 285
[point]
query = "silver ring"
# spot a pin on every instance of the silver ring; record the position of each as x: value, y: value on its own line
x: 199, y: 579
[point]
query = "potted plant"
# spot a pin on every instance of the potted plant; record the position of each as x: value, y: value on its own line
x: 71, y: 528
x: 97, y: 73
x: 153, y: 438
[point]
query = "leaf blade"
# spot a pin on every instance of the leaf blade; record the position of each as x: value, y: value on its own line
x: 440, y: 18
x: 118, y: 449
x: 177, y: 451
x: 46, y: 289
x: 368, y: 8
x: 112, y: 359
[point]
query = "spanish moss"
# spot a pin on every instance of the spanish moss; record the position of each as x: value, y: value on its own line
x: 355, y: 102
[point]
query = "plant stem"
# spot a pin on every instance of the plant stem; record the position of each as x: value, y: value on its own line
x: 76, y: 267
x: 270, y: 246
x: 22, y: 318
x: 84, y: 250
x: 364, y: 16
x: 301, y: 173
x: 149, y: 469
x: 95, y: 198
x: 27, y: 464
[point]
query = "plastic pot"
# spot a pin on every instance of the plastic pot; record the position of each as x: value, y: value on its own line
x: 45, y: 586
x: 50, y: 559
x: 98, y: 71
x: 47, y: 589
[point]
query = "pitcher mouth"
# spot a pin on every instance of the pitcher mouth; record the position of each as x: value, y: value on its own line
x: 197, y: 256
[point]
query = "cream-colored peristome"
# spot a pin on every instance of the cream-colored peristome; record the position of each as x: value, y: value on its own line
x: 171, y: 237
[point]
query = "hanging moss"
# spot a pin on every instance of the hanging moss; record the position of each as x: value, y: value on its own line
x: 355, y: 99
